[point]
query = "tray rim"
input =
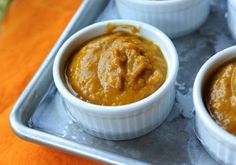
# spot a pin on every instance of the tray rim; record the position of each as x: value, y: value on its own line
x: 26, y: 133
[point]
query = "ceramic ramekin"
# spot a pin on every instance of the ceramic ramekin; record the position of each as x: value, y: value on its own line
x: 174, y: 17
x: 218, y: 142
x: 232, y: 17
x: 126, y: 121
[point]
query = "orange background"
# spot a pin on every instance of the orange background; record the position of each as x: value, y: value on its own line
x: 29, y: 31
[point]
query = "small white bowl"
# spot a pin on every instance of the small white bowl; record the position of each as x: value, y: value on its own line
x: 232, y: 17
x: 174, y: 17
x: 126, y: 121
x: 217, y: 141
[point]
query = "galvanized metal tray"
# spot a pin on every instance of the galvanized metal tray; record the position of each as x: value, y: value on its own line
x: 39, y: 114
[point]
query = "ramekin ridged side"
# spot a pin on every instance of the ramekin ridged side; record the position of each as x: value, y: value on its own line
x: 222, y: 152
x: 125, y: 121
x: 174, y: 17
x: 219, y: 143
x: 232, y: 17
x: 124, y: 125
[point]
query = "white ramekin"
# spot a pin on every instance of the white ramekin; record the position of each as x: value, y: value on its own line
x: 126, y: 121
x: 218, y: 142
x: 174, y: 17
x: 232, y: 17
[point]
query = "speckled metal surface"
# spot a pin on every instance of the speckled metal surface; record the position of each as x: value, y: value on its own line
x: 174, y: 142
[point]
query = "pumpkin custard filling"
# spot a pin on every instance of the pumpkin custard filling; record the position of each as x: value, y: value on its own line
x: 117, y: 68
x: 221, y: 96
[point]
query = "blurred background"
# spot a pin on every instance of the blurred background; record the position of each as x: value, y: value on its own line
x: 3, y: 8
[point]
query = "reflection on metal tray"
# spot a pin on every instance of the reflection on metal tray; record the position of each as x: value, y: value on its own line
x: 39, y: 115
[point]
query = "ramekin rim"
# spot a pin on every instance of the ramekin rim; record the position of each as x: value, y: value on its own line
x: 162, y: 3
x: 127, y: 107
x: 200, y: 108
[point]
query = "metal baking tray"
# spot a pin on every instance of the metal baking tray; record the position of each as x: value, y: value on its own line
x: 39, y: 116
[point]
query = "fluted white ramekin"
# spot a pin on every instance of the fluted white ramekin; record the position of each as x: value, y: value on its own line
x: 126, y: 121
x: 232, y: 17
x: 220, y: 144
x: 174, y: 17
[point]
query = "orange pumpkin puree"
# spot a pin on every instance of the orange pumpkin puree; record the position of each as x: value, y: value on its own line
x: 221, y: 96
x: 116, y: 68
